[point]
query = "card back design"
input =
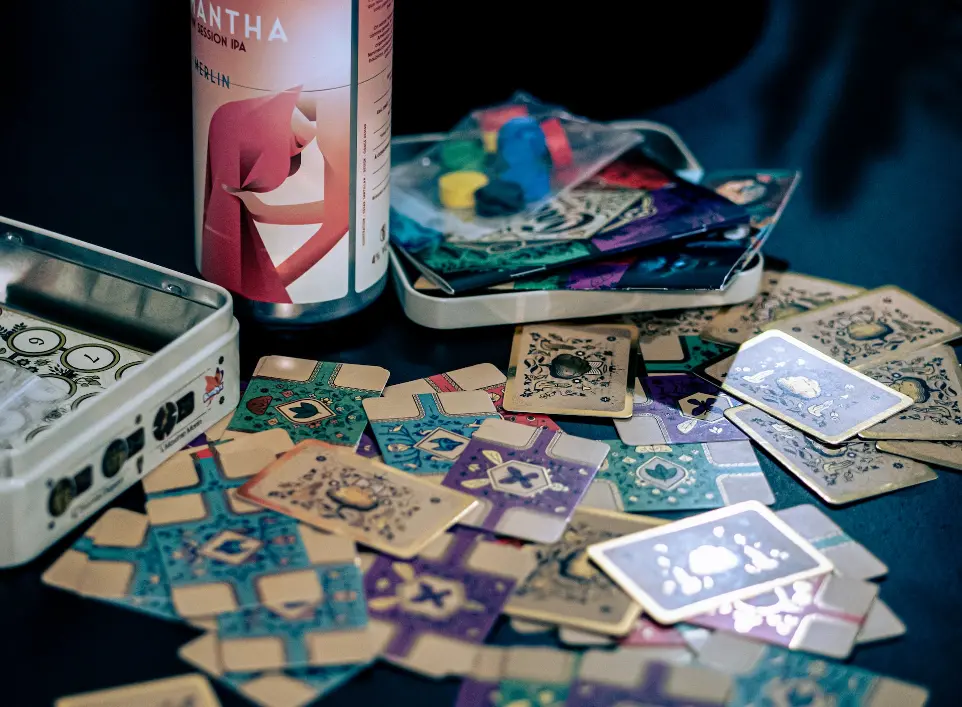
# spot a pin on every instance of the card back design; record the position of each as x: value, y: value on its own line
x: 426, y: 433
x: 654, y: 478
x: 309, y: 399
x: 527, y: 481
x: 851, y: 558
x: 697, y: 564
x: 809, y: 390
x: 947, y: 454
x: 836, y: 473
x: 193, y: 690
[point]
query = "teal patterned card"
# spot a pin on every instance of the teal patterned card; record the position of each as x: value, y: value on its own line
x: 671, y: 342
x: 651, y: 478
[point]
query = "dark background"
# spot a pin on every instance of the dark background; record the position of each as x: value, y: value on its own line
x: 864, y: 97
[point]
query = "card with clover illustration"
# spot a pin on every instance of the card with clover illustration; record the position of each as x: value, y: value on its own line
x: 678, y: 408
x: 656, y: 478
x: 836, y: 473
x: 309, y: 399
x: 527, y: 480
x: 809, y: 390
x: 425, y: 433
x: 947, y: 454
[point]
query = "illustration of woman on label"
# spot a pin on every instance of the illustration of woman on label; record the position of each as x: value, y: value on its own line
x: 277, y: 192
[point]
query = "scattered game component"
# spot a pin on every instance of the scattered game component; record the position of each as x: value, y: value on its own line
x: 763, y: 193
x: 781, y: 676
x: 809, y: 390
x: 425, y: 434
x: 491, y: 120
x: 696, y: 564
x: 947, y: 454
x: 522, y: 144
x: 457, y: 155
x: 559, y: 147
x: 367, y: 447
x: 435, y: 610
x: 499, y: 198
x: 670, y: 342
x: 653, y: 478
x: 837, y: 473
x: 646, y: 633
x: 527, y: 480
x: 678, y: 408
x: 572, y: 369
x: 850, y: 558
x: 566, y: 589
x: 782, y: 295
x: 577, y: 638
x: 519, y: 675
x: 881, y: 624
x: 341, y: 492
x: 931, y: 378
x: 871, y: 327
x: 715, y: 371
x: 309, y: 399
x: 822, y: 615
x: 457, y: 189
x: 192, y: 690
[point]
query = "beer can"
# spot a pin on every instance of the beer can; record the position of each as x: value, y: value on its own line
x: 292, y: 139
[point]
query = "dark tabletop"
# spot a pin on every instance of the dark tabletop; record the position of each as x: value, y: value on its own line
x: 862, y: 96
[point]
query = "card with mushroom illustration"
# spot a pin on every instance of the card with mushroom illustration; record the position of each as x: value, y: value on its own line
x: 809, y: 390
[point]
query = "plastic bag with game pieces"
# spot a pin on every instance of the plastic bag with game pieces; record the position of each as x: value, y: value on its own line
x: 28, y: 403
x: 501, y: 162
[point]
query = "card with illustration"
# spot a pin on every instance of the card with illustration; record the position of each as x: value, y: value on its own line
x: 655, y: 478
x: 809, y: 390
x: 678, y: 408
x: 851, y: 558
x: 931, y: 378
x: 671, y: 341
x: 527, y: 480
x: 424, y: 434
x: 193, y: 690
x: 696, y: 564
x: 765, y: 674
x: 566, y: 589
x: 309, y: 399
x: 822, y: 615
x: 117, y: 561
x: 343, y: 493
x: 872, y: 327
x: 838, y: 474
x: 947, y: 454
x: 434, y: 611
x: 572, y: 369
x: 782, y: 295
x: 519, y: 676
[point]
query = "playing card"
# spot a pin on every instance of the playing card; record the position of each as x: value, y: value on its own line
x: 881, y: 624
x: 850, y: 558
x: 836, y: 473
x: 931, y: 378
x: 426, y: 433
x: 678, y: 408
x: 518, y: 675
x: 183, y: 691
x: 309, y: 399
x: 769, y: 674
x: 567, y: 590
x: 715, y: 371
x: 696, y: 564
x: 677, y: 477
x: 782, y: 295
x: 822, y: 615
x: 809, y: 390
x: 947, y: 454
x: 435, y: 610
x: 877, y: 325
x: 585, y: 370
x: 343, y: 493
x: 527, y: 480
x: 670, y: 341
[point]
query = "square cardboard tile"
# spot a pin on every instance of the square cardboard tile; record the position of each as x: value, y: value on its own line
x: 678, y: 409
x: 931, y: 378
x: 192, y: 690
x: 426, y: 433
x: 671, y: 342
x: 650, y: 478
x: 836, y: 473
x: 572, y: 369
x: 871, y: 327
x: 696, y: 564
x: 309, y: 399
x: 519, y: 675
x: 809, y: 390
x: 434, y: 611
x: 851, y: 558
x: 527, y: 480
x: 947, y: 454
x: 343, y: 493
x: 782, y: 295
x: 566, y: 589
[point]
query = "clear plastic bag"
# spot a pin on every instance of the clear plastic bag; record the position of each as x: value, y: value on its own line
x: 500, y: 163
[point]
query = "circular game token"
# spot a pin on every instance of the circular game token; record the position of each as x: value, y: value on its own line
x: 457, y: 188
x: 499, y: 198
x: 462, y: 155
x: 558, y: 145
x: 491, y: 121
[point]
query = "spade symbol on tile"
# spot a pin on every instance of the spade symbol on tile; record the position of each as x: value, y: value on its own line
x: 445, y: 444
x: 661, y: 473
x: 232, y: 547
x: 304, y: 411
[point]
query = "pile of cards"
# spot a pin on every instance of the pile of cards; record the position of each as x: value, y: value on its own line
x: 334, y: 520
